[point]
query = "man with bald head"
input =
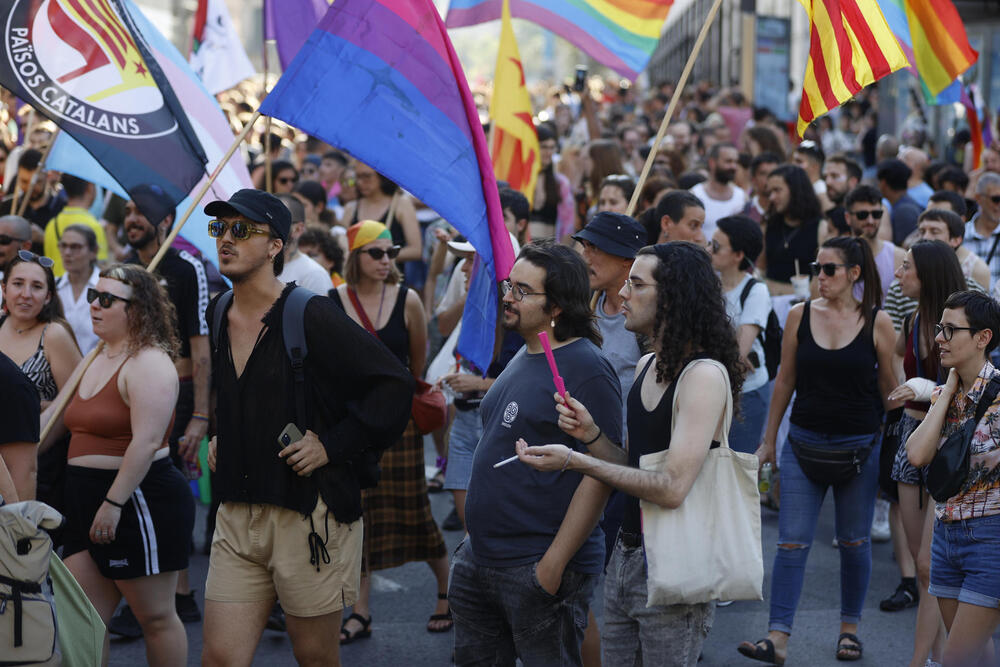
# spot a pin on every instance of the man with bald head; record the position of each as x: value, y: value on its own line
x: 15, y: 234
x: 917, y: 187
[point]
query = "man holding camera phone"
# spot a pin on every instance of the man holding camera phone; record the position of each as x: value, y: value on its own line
x: 273, y: 473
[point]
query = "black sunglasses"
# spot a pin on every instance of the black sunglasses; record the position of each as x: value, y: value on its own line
x: 28, y: 256
x: 378, y: 253
x: 240, y: 230
x: 947, y: 330
x: 7, y: 240
x: 106, y: 299
x: 995, y: 199
x: 829, y: 268
x: 863, y: 215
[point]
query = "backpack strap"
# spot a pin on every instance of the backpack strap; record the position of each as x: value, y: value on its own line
x: 221, y: 306
x: 293, y: 331
x: 743, y: 300
x: 17, y: 590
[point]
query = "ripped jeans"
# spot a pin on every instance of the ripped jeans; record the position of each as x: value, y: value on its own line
x: 801, y: 500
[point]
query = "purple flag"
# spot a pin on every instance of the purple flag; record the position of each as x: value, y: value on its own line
x: 290, y: 22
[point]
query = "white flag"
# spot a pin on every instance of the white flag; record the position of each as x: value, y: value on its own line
x: 218, y: 57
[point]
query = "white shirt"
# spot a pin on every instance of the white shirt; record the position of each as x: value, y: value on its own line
x: 308, y: 273
x: 754, y: 311
x: 716, y: 209
x: 77, y: 311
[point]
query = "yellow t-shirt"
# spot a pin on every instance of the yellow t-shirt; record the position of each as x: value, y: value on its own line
x: 72, y: 215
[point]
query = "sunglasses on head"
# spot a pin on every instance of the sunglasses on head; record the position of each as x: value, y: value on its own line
x: 378, y: 253
x: 828, y: 268
x: 28, y: 256
x: 863, y: 215
x: 241, y: 230
x: 105, y: 299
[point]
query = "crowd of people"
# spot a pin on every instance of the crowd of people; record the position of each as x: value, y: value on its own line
x: 838, y: 291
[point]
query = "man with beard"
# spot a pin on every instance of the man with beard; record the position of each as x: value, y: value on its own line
x: 149, y: 215
x: 864, y: 214
x: 524, y: 577
x: 720, y: 197
x: 760, y: 168
x: 841, y: 175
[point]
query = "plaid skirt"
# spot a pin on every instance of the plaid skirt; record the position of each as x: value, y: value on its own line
x: 399, y: 527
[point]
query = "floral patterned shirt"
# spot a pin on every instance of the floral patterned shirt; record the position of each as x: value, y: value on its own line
x: 980, y: 494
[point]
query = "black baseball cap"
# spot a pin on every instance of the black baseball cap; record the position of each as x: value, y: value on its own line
x: 258, y: 206
x: 614, y: 233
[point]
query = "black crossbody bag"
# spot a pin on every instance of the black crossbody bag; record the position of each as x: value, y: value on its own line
x: 831, y: 467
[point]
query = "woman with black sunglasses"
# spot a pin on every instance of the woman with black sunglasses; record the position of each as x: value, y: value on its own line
x: 399, y: 527
x: 128, y: 512
x: 837, y: 356
x: 46, y: 354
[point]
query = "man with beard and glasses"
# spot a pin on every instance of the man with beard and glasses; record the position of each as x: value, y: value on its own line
x: 841, y: 175
x: 720, y: 197
x: 864, y: 214
x: 149, y: 215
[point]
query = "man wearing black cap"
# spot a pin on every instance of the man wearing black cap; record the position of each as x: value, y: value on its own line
x: 289, y: 523
x: 149, y: 215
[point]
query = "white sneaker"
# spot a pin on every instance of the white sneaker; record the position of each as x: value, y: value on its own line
x: 880, y: 525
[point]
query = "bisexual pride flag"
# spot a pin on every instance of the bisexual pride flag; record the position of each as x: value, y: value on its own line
x: 380, y: 80
x: 83, y: 64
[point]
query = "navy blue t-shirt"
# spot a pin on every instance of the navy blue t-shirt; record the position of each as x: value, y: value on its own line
x: 514, y: 512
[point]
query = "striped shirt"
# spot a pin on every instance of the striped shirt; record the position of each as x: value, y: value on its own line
x: 982, y: 245
x: 899, y: 306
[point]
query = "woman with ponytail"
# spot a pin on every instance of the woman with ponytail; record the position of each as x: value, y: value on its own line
x: 836, y: 356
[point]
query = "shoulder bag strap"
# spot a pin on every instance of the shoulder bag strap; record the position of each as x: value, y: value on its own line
x: 986, y: 399
x: 993, y: 249
x: 915, y: 330
x: 727, y: 418
x: 220, y: 310
x: 293, y: 331
x: 356, y: 302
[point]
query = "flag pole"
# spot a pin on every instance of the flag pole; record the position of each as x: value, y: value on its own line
x: 34, y: 175
x: 32, y: 119
x: 674, y: 99
x: 67, y: 393
x: 267, y: 123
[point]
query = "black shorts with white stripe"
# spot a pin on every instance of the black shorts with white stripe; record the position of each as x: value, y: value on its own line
x: 154, y: 533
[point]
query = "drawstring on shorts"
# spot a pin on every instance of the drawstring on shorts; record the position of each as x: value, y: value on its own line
x: 317, y: 545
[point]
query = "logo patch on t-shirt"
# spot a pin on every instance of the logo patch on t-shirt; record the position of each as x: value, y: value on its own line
x: 510, y: 414
x: 118, y: 563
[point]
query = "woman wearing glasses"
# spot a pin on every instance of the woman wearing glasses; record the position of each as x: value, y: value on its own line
x: 965, y: 552
x: 46, y: 354
x: 837, y: 356
x: 399, y: 527
x: 380, y: 199
x: 128, y: 519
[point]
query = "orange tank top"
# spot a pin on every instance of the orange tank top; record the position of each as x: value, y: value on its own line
x: 101, y: 424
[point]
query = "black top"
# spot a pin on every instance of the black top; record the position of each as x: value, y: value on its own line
x: 20, y: 405
x: 784, y: 244
x: 836, y: 391
x: 550, y: 209
x: 41, y: 215
x: 359, y: 399
x: 838, y: 218
x: 187, y: 287
x: 394, y: 334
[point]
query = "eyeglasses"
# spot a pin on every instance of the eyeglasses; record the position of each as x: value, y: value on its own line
x: 946, y: 331
x: 105, y: 299
x: 7, y: 240
x: 378, y: 253
x: 28, y: 256
x: 995, y: 199
x: 631, y: 284
x: 829, y: 268
x: 714, y: 246
x: 240, y: 229
x: 285, y: 180
x: 519, y: 292
x: 863, y: 215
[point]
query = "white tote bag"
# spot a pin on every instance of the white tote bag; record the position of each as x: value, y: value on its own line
x: 709, y: 548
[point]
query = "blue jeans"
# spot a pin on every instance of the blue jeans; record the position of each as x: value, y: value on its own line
x: 747, y: 427
x: 801, y: 500
x: 503, y: 613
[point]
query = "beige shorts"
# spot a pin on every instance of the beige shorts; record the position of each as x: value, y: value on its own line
x: 262, y: 551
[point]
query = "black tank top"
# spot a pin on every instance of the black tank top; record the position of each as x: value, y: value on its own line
x: 785, y: 244
x: 394, y: 334
x: 836, y: 391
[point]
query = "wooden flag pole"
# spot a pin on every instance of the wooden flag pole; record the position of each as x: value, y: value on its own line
x: 34, y: 175
x: 674, y: 99
x: 24, y: 144
x: 267, y: 123
x: 67, y: 392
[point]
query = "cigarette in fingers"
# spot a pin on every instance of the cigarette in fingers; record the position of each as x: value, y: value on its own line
x: 505, y: 461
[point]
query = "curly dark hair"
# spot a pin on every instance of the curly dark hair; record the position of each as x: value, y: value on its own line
x: 691, y: 313
x: 152, y: 319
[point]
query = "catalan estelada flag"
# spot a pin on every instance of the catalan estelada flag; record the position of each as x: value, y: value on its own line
x: 933, y: 39
x: 850, y: 47
x: 620, y: 34
x: 82, y: 64
x: 380, y: 80
x: 514, y: 144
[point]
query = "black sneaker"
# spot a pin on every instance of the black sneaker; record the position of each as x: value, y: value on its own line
x: 904, y: 598
x: 276, y: 621
x: 125, y: 624
x: 452, y: 522
x: 187, y: 608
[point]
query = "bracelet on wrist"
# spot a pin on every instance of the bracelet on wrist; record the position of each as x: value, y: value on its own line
x: 596, y: 437
x: 199, y: 415
x: 113, y: 503
x: 569, y: 455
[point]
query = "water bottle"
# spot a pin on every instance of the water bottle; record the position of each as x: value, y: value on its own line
x: 766, y: 473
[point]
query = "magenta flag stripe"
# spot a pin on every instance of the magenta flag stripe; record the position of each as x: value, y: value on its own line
x: 423, y: 24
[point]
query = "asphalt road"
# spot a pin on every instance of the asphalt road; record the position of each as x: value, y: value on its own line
x: 403, y: 598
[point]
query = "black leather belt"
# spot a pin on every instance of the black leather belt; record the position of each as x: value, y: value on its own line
x: 630, y: 540
x: 465, y: 405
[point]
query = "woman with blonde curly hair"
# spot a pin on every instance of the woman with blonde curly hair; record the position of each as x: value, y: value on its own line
x: 128, y: 527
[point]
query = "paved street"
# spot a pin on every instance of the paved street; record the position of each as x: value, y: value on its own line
x: 404, y: 597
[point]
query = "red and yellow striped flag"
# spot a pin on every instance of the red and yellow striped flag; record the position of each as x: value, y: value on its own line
x: 850, y: 47
x: 514, y: 144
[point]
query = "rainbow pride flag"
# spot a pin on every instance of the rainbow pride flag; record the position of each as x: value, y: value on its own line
x: 933, y: 39
x: 620, y: 34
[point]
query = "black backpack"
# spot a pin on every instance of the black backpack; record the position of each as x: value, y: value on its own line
x: 770, y: 337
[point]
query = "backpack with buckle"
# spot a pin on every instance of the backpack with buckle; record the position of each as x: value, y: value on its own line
x: 769, y: 337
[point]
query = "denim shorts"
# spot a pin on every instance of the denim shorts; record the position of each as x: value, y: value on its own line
x: 965, y: 561
x: 466, y: 429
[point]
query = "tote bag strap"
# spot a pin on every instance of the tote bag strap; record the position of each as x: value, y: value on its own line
x: 727, y: 417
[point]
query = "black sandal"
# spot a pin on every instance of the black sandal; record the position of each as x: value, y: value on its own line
x: 763, y: 653
x: 849, y: 652
x: 441, y: 617
x: 346, y: 636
